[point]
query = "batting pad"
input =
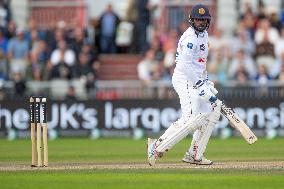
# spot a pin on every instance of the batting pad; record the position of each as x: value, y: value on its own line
x: 206, y: 131
x: 177, y: 132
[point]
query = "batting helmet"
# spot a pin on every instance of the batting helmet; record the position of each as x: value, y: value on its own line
x: 199, y: 12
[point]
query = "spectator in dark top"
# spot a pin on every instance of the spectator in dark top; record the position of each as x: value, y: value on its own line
x: 55, y: 38
x: 143, y: 21
x: 78, y: 41
x: 20, y: 84
x: 83, y: 68
x: 3, y: 42
x: 10, y: 31
x: 90, y: 50
x: 261, y: 11
x: 32, y: 28
x: 3, y: 66
x: 107, y: 25
x: 275, y: 20
x: 50, y: 35
x: 62, y: 71
x: 71, y: 94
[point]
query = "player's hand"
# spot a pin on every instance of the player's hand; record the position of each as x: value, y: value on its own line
x: 206, y: 91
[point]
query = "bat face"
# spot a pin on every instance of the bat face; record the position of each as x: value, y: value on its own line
x: 238, y: 124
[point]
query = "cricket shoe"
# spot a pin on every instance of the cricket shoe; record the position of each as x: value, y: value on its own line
x: 152, y: 153
x: 189, y: 159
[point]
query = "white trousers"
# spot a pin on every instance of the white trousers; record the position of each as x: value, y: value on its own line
x: 195, y: 118
x: 191, y: 103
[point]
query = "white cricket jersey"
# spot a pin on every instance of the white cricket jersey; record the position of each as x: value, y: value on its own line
x: 191, y: 56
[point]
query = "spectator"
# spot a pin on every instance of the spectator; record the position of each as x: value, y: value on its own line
x: 10, y: 31
x: 62, y: 54
x: 171, y: 41
x: 78, y: 41
x: 241, y: 75
x: 108, y: 25
x: 274, y: 19
x: 61, y: 71
x: 32, y: 29
x: 71, y: 94
x: 248, y: 19
x: 242, y: 41
x: 261, y: 11
x: 90, y: 85
x: 18, y: 49
x: 262, y: 76
x: 34, y: 40
x: 42, y: 52
x: 157, y: 46
x: 142, y: 23
x: 242, y: 63
x: 5, y: 14
x: 3, y: 43
x: 218, y: 43
x: 37, y: 64
x: 148, y: 68
x: 265, y: 33
x: 3, y: 66
x: 218, y: 68
x: 62, y: 62
x: 55, y: 38
x: 281, y: 74
x: 90, y: 50
x: 266, y: 38
x: 50, y: 35
x: 19, y: 84
x: 279, y: 46
x: 83, y: 67
x: 91, y: 31
x: 124, y: 36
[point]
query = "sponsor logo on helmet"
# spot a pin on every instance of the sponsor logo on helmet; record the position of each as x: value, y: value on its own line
x: 201, y: 11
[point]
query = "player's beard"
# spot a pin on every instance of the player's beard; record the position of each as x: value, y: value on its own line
x: 201, y: 27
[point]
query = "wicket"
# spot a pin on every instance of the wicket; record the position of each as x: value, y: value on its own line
x: 38, y: 107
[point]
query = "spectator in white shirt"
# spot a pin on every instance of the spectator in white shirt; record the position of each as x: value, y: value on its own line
x: 63, y: 54
x: 246, y: 62
x: 148, y: 68
x: 266, y: 32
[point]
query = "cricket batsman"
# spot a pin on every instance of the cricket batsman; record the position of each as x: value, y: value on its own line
x: 197, y: 95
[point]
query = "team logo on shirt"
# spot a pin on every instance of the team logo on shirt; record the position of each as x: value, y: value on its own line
x: 189, y: 45
x: 202, y: 47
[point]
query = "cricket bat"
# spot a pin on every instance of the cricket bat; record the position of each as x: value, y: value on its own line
x: 238, y: 123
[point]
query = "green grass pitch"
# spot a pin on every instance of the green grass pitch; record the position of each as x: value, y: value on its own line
x: 121, y: 163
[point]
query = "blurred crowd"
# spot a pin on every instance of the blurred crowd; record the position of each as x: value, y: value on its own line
x: 254, y: 52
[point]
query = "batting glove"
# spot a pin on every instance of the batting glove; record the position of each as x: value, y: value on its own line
x: 206, y: 91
